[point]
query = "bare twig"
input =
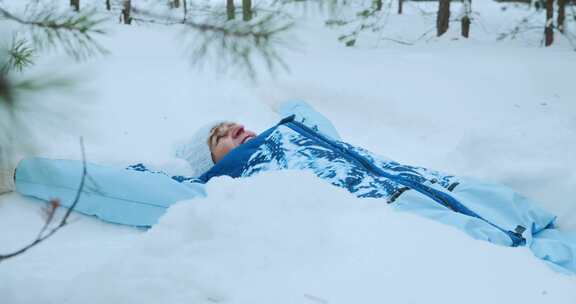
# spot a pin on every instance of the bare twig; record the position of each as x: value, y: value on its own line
x: 397, y: 41
x: 43, y: 235
x: 50, y: 211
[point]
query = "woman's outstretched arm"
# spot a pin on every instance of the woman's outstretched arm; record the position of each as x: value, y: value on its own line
x: 307, y: 115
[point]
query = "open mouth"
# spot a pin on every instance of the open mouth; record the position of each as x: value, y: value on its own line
x: 247, y: 138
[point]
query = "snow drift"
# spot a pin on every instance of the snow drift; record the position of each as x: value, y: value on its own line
x: 307, y: 244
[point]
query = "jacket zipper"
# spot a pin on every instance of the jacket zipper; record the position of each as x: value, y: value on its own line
x: 438, y: 196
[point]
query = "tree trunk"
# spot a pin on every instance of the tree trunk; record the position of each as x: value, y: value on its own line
x: 126, y: 11
x: 443, y: 17
x: 466, y: 26
x: 75, y: 4
x: 561, y: 15
x: 246, y: 10
x: 537, y: 4
x: 549, y: 30
x: 466, y: 18
x: 176, y: 4
x: 185, y: 6
x: 230, y: 9
x: 377, y: 4
x: 400, y: 7
x: 108, y: 5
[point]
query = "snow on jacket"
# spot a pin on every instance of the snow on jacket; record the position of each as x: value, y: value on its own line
x: 308, y: 141
x: 293, y: 145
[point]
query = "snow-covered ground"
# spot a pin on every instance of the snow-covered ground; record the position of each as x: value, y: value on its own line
x: 502, y: 111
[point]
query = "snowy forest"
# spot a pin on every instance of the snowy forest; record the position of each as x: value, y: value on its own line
x: 99, y: 97
x: 247, y: 31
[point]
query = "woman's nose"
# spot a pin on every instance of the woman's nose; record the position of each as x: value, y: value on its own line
x: 237, y: 131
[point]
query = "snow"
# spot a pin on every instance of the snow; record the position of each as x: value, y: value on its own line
x: 502, y: 111
x: 285, y: 243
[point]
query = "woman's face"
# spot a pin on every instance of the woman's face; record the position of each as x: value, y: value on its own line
x: 225, y: 137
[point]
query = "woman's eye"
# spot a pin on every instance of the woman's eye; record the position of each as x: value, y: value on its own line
x: 221, y: 134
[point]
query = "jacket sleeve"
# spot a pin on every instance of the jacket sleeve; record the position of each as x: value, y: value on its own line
x: 115, y: 195
x: 307, y: 115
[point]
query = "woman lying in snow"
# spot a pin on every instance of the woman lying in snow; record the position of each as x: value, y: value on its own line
x: 303, y: 140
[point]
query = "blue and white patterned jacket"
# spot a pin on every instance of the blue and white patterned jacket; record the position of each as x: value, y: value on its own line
x: 308, y: 141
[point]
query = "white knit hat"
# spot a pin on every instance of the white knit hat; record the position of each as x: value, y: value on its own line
x: 196, y: 150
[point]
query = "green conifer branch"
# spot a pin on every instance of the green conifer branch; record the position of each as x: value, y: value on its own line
x: 17, y: 56
x: 72, y: 33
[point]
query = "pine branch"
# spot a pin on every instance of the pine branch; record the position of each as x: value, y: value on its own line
x: 10, y: 90
x: 372, y: 18
x: 231, y: 43
x: 327, y: 6
x: 48, y: 19
x: 73, y: 33
x: 19, y: 55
